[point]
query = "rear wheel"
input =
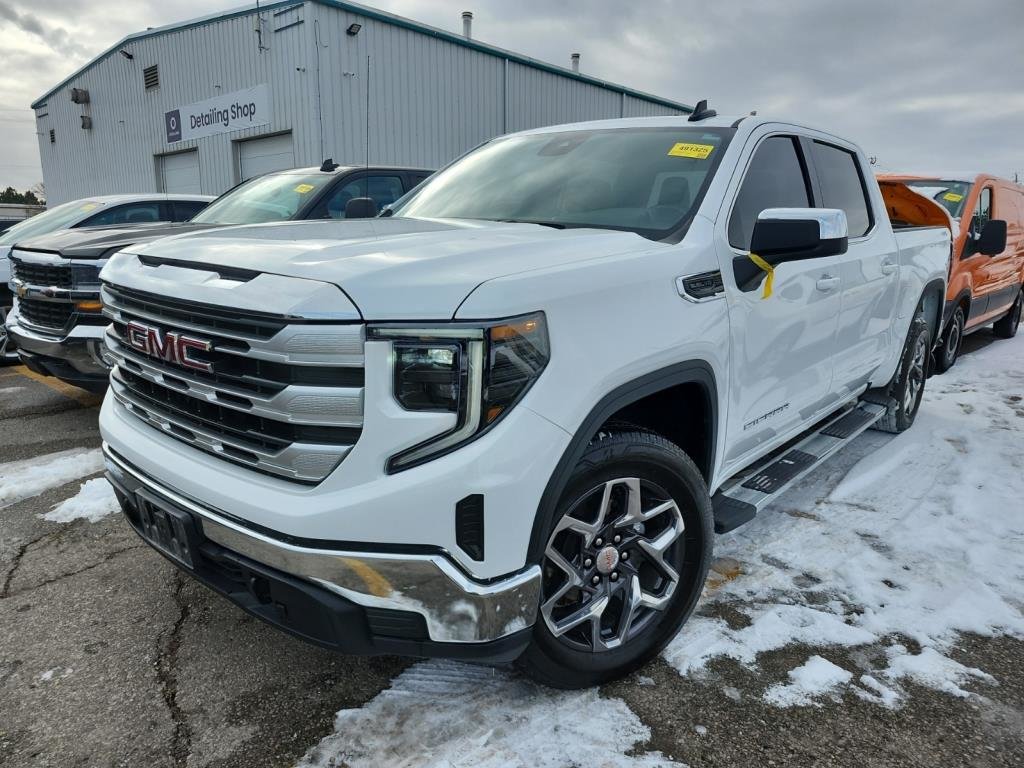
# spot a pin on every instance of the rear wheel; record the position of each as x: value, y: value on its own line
x: 625, y: 561
x: 1006, y: 327
x: 950, y: 348
x: 907, y: 387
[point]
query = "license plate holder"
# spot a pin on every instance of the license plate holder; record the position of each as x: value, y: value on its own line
x: 170, y: 530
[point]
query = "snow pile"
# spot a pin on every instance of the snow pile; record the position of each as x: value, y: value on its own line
x: 816, y: 677
x: 920, y: 540
x: 447, y: 715
x: 22, y: 479
x: 94, y: 501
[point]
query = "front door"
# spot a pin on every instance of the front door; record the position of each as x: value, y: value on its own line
x: 782, y: 340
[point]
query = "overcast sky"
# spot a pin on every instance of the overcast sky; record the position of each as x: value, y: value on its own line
x: 920, y: 84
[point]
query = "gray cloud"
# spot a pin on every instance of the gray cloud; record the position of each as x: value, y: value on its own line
x: 922, y: 85
x: 56, y: 38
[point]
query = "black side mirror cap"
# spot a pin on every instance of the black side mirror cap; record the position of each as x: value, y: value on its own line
x: 791, y: 234
x: 360, y: 208
x: 992, y: 241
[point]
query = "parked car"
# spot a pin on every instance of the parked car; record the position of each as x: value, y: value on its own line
x: 986, y: 280
x: 100, y: 211
x: 505, y: 422
x: 60, y: 333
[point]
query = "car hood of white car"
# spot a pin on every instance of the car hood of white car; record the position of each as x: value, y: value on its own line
x: 394, y: 268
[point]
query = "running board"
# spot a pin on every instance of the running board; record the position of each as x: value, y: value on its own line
x: 742, y: 497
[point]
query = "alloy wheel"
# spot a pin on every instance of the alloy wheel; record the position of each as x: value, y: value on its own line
x: 612, y: 564
x: 917, y: 374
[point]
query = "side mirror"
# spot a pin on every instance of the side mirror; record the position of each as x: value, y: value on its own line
x: 992, y: 240
x: 360, y: 208
x: 791, y: 234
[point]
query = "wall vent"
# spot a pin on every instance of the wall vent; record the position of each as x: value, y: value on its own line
x: 53, y: 138
x: 151, y: 77
x: 86, y: 123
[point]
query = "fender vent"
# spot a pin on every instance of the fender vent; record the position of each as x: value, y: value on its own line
x: 469, y: 525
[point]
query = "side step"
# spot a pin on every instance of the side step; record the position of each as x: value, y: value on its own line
x: 742, y: 497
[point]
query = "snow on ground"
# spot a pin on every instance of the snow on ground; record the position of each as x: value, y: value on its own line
x: 22, y: 479
x: 441, y: 714
x: 94, y: 501
x: 920, y: 540
x: 816, y: 677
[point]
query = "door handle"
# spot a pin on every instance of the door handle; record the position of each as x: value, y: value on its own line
x: 889, y: 267
x: 827, y: 283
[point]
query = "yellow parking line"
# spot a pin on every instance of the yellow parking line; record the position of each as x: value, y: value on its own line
x: 80, y: 396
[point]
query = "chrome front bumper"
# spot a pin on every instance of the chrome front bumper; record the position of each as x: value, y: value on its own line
x: 456, y: 609
x: 81, y: 348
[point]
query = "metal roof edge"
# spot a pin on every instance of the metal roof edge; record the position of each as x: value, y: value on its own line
x: 378, y: 15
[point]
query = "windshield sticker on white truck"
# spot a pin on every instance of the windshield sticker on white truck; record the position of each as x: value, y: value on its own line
x: 696, y: 151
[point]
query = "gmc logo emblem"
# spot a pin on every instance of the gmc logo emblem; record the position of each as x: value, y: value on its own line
x: 171, y: 346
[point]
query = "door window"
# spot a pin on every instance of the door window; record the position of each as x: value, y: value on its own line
x: 383, y: 190
x: 132, y: 213
x: 774, y: 179
x: 842, y: 186
x: 186, y: 209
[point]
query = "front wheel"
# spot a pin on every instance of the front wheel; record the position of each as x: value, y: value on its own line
x: 625, y: 560
x: 1007, y: 326
x: 950, y: 347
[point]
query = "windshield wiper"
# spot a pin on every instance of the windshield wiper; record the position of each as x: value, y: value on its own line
x: 552, y: 224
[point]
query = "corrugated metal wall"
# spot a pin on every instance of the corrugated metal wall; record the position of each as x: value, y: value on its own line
x: 430, y: 99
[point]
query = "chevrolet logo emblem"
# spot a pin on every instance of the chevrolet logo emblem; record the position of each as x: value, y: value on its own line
x: 21, y: 290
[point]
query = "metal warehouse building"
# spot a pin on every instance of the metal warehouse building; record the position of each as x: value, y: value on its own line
x: 201, y: 105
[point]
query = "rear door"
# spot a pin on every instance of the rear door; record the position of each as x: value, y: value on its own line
x: 869, y: 270
x: 782, y: 343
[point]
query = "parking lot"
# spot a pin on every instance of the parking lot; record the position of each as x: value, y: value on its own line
x: 109, y: 657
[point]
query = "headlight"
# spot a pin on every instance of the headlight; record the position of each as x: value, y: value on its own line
x: 478, y: 371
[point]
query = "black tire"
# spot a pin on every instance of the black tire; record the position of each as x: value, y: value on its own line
x: 907, y: 387
x: 663, y: 473
x: 8, y: 355
x: 952, y: 340
x: 1006, y: 327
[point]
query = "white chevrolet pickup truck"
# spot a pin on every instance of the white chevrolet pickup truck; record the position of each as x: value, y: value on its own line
x: 505, y: 420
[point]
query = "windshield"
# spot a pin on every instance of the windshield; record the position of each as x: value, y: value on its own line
x: 275, y: 197
x: 951, y: 195
x: 643, y: 180
x: 59, y: 217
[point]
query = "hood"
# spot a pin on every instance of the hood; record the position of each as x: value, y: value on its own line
x: 904, y: 204
x: 395, y: 268
x: 97, y: 242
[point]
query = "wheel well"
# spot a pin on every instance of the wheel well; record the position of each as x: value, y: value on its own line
x: 669, y: 401
x: 932, y: 304
x: 680, y: 414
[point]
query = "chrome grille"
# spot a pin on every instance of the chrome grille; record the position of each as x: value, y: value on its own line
x: 44, y: 275
x: 283, y: 396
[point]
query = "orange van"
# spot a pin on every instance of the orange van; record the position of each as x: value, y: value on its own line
x: 987, y: 267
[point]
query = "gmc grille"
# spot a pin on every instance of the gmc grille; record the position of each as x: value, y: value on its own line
x: 282, y: 396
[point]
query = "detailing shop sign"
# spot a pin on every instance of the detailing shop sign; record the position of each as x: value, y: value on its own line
x: 221, y: 114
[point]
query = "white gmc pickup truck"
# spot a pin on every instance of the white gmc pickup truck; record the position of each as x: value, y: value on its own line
x: 505, y: 420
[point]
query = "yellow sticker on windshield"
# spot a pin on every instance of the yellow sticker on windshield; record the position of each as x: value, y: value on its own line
x: 304, y: 188
x: 88, y: 206
x: 952, y: 197
x: 697, y: 151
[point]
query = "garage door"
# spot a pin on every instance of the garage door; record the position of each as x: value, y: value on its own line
x: 257, y: 156
x: 179, y: 173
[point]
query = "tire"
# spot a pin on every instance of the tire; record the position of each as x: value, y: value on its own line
x: 8, y: 355
x: 949, y: 350
x: 616, y: 490
x: 907, y: 388
x: 1006, y: 327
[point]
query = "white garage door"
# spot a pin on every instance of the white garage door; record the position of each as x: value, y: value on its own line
x: 256, y: 156
x: 179, y: 173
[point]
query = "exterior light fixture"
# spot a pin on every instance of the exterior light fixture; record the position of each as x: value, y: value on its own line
x: 353, y: 29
